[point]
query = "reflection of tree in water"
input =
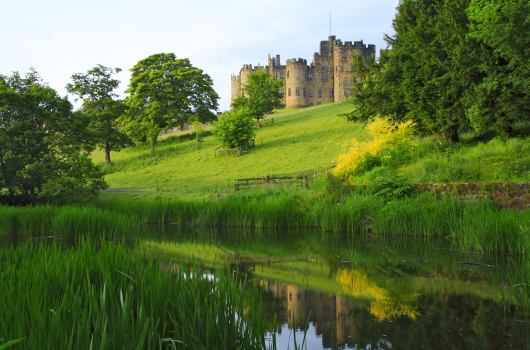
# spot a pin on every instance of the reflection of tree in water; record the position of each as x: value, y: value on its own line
x: 446, y: 322
x: 386, y: 305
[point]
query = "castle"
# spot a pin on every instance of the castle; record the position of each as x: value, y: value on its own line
x: 326, y: 80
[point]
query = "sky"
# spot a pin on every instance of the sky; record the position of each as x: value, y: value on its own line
x: 60, y: 38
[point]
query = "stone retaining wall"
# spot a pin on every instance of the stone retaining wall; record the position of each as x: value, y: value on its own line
x: 507, y: 194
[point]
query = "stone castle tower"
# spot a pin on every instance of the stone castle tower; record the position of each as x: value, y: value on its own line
x: 326, y: 80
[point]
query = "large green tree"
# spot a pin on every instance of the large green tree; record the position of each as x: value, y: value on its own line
x: 96, y: 88
x: 498, y: 65
x: 44, y: 145
x: 261, y: 95
x: 164, y: 93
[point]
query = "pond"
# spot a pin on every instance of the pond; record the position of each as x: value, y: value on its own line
x: 363, y: 291
x: 344, y: 291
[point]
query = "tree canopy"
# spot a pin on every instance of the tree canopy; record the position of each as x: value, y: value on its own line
x: 164, y: 93
x: 261, y: 95
x: 44, y: 145
x: 453, y: 65
x: 96, y: 88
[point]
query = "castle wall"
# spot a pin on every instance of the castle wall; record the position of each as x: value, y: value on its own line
x: 326, y: 80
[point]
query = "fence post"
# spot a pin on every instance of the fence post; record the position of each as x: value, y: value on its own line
x: 262, y: 141
x: 272, y: 120
x: 236, y: 187
x: 238, y: 154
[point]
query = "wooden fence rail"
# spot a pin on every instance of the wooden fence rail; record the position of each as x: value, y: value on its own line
x: 256, y: 181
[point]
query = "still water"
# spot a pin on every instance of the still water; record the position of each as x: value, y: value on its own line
x: 358, y: 291
x: 363, y: 292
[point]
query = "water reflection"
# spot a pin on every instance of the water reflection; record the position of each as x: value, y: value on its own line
x: 359, y: 294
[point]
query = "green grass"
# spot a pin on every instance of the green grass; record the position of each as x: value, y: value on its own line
x: 470, y: 161
x: 300, y: 141
x: 103, y: 296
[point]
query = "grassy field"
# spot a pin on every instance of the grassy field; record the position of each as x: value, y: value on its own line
x: 300, y: 141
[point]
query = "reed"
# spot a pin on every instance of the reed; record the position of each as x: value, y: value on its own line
x: 66, y: 222
x: 107, y: 297
x: 477, y: 226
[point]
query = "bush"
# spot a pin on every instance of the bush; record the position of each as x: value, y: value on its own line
x: 234, y: 129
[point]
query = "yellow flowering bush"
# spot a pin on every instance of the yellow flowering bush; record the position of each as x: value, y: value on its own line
x: 392, y: 145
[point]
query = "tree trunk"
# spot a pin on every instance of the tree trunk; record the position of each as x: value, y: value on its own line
x: 107, y: 153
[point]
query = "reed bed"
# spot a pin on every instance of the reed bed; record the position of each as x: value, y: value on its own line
x: 477, y: 226
x: 66, y: 222
x: 103, y: 296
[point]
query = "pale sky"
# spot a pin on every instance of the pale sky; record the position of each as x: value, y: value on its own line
x: 62, y: 37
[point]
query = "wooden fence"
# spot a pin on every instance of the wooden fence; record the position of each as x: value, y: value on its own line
x: 281, y: 180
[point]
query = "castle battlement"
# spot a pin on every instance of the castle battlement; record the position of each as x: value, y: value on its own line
x: 294, y: 61
x: 326, y: 80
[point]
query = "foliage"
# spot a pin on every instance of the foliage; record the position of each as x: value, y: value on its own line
x: 96, y: 88
x: 499, y: 92
x: 391, y: 146
x: 234, y: 129
x: 453, y: 65
x: 108, y: 296
x: 261, y: 95
x: 389, y: 185
x: 44, y: 145
x: 164, y: 93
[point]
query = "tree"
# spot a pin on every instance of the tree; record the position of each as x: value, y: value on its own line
x: 164, y: 93
x: 419, y: 80
x: 234, y: 129
x: 499, y: 74
x: 96, y: 88
x: 261, y: 95
x: 44, y: 145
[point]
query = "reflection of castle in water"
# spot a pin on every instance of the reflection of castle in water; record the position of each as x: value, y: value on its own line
x: 331, y: 315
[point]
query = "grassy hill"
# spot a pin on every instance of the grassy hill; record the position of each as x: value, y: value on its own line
x: 299, y: 141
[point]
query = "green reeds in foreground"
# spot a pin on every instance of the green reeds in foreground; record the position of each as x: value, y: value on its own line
x: 110, y: 298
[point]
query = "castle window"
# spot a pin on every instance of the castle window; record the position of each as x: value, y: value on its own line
x: 346, y: 92
x: 310, y: 93
x: 324, y: 64
x: 341, y: 68
x: 346, y: 82
x: 344, y: 55
x: 281, y: 75
x: 318, y: 103
x: 297, y: 91
x: 319, y: 92
x: 304, y: 92
x: 289, y: 92
x: 310, y: 75
x: 287, y: 74
x: 330, y: 92
x: 323, y: 76
x: 282, y: 93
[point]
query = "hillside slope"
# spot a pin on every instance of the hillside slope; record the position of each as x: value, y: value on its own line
x: 300, y: 141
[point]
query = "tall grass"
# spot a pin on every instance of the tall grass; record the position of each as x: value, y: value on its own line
x: 66, y: 221
x: 475, y: 226
x: 107, y: 298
